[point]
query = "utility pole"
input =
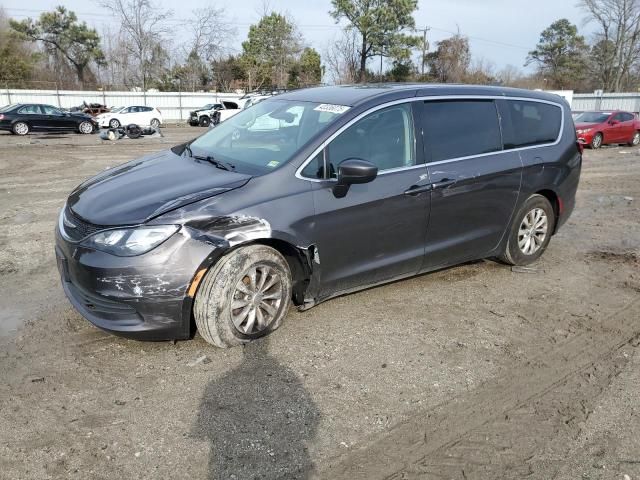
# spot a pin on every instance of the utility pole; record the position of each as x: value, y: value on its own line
x: 425, y: 46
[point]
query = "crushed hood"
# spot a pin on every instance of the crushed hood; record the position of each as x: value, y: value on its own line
x: 142, y: 189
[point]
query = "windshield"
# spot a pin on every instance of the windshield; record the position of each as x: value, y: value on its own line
x: 116, y: 109
x: 592, y: 117
x: 267, y: 135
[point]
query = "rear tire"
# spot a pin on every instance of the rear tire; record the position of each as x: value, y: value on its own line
x: 155, y: 123
x: 20, y: 128
x: 596, y: 141
x: 635, y: 141
x: 243, y: 297
x: 204, y: 121
x: 530, y: 232
x: 114, y: 123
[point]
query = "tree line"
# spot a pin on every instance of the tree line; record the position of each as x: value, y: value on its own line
x: 140, y: 51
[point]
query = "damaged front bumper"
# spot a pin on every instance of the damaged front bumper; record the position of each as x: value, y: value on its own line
x: 146, y: 297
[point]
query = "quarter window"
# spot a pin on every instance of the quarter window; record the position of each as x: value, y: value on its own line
x: 460, y: 128
x: 384, y: 138
x: 529, y: 123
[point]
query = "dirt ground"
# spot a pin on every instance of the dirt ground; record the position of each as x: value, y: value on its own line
x: 475, y: 372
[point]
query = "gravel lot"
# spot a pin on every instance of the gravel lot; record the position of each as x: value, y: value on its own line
x: 472, y: 372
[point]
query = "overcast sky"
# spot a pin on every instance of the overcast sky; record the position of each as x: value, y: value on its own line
x: 500, y: 31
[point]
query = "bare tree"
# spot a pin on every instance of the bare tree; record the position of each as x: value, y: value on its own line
x: 342, y: 59
x: 210, y: 33
x: 450, y: 62
x: 618, y: 39
x: 143, y: 26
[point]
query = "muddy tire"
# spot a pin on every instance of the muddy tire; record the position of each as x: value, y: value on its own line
x: 596, y: 141
x: 204, y: 121
x: 20, y: 128
x: 243, y: 297
x: 530, y: 232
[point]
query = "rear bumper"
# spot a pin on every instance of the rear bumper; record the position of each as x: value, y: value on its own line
x: 145, y: 297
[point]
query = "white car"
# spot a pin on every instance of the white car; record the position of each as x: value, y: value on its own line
x: 138, y: 114
x: 213, y: 113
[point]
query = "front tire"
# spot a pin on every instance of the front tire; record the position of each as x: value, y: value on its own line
x: 114, y: 123
x: 85, y: 128
x: 530, y: 232
x: 20, y: 128
x: 204, y: 121
x: 596, y: 141
x: 243, y: 297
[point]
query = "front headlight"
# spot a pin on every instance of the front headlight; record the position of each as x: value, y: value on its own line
x: 583, y: 130
x: 128, y: 242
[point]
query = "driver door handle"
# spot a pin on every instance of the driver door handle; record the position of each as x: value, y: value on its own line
x: 445, y: 182
x: 418, y: 189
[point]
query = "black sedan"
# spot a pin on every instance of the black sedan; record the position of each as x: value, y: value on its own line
x: 22, y: 118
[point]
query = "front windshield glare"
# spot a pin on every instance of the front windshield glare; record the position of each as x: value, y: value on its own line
x: 267, y: 135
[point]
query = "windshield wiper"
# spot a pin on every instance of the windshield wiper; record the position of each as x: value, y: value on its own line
x: 209, y: 158
x: 216, y: 163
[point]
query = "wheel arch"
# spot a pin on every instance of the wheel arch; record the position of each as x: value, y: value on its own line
x: 554, y: 200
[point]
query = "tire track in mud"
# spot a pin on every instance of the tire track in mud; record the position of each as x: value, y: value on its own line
x: 516, y: 426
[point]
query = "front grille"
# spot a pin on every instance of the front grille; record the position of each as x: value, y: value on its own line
x: 75, y: 228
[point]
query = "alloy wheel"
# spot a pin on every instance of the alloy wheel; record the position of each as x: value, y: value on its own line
x: 257, y: 299
x: 21, y: 128
x: 597, y: 141
x: 533, y: 231
x: 636, y: 139
x: 155, y: 123
x: 86, y: 127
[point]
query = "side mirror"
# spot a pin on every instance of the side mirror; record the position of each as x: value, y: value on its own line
x: 353, y: 171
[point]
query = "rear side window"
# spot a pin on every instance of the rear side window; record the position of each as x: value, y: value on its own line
x: 460, y: 128
x: 627, y: 117
x: 528, y: 123
x: 30, y: 109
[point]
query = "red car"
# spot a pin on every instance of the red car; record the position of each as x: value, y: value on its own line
x: 601, y: 128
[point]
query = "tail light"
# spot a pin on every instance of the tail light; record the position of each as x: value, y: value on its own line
x: 580, y: 147
x: 1, y: 116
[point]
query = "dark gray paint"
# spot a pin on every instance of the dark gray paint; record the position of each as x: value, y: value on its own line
x: 378, y: 232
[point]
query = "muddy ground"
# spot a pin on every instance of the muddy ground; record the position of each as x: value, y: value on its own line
x: 475, y: 372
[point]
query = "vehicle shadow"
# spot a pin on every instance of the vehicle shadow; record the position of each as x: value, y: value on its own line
x: 259, y: 419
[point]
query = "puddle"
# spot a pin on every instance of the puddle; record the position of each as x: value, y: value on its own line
x: 10, y: 321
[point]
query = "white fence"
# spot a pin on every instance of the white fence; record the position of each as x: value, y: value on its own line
x: 608, y: 101
x: 175, y: 106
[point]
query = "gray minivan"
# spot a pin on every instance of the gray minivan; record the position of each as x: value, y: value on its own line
x: 312, y: 194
